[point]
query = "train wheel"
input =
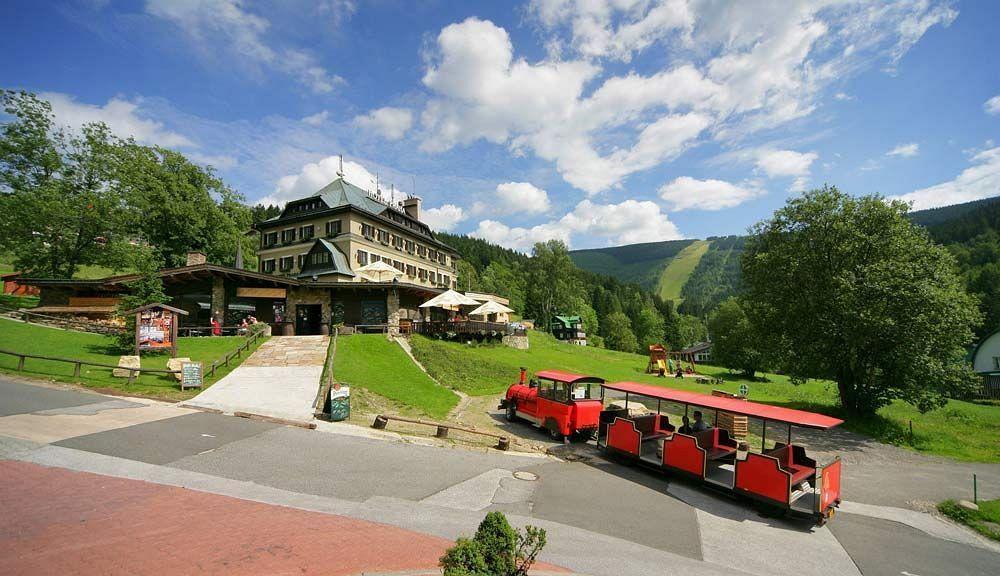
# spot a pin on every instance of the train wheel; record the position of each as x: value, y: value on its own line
x: 511, y: 413
x: 553, y: 428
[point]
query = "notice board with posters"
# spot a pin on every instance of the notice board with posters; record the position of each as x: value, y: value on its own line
x: 156, y: 328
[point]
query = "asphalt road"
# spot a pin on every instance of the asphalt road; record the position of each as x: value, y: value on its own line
x: 598, y: 496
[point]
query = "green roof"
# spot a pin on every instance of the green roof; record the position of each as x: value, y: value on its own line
x: 567, y: 321
x: 338, y: 262
x: 342, y: 193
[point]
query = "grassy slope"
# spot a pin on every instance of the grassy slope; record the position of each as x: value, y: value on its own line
x: 640, y: 263
x: 679, y: 270
x: 959, y: 430
x: 986, y: 520
x: 370, y: 361
x: 32, y: 339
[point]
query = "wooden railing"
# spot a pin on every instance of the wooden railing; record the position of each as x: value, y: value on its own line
x: 381, y: 421
x: 432, y: 327
x: 207, y: 330
x: 990, y: 387
x: 224, y: 361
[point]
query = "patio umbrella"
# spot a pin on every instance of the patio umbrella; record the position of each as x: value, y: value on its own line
x: 490, y: 307
x: 380, y: 268
x: 450, y: 300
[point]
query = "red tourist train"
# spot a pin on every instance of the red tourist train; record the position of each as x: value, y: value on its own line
x: 781, y: 476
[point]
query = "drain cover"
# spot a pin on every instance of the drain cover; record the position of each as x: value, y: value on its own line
x: 528, y: 476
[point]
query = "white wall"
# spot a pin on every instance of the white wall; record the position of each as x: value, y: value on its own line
x: 990, y: 348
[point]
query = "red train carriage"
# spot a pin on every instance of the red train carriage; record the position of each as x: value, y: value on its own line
x: 567, y: 405
x: 781, y: 475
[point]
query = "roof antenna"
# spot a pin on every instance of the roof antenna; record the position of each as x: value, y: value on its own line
x: 340, y: 171
x: 392, y: 194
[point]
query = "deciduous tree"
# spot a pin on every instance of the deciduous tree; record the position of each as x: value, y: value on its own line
x: 851, y: 290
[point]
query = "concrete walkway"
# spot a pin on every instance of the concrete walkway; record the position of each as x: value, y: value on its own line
x: 280, y: 380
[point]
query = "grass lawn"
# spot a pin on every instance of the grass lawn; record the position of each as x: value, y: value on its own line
x: 961, y: 430
x: 679, y: 270
x: 370, y: 361
x: 10, y: 301
x: 44, y: 341
x: 986, y: 520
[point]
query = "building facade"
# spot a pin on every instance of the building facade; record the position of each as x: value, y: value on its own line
x: 307, y: 278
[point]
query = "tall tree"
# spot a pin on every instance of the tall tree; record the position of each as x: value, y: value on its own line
x: 850, y: 290
x: 178, y: 206
x: 649, y: 328
x: 735, y: 344
x: 618, y: 333
x: 60, y: 206
x: 553, y: 285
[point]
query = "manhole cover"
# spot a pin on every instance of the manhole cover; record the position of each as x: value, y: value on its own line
x: 528, y: 476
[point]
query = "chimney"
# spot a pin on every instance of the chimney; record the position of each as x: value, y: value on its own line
x: 412, y: 207
x: 524, y: 372
x: 195, y: 258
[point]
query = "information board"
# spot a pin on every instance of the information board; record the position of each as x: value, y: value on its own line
x: 191, y: 376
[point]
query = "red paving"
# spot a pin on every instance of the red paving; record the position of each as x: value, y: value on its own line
x: 56, y: 521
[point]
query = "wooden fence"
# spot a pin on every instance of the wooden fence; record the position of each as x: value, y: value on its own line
x: 381, y: 421
x: 430, y: 328
x: 132, y: 372
x: 990, y: 388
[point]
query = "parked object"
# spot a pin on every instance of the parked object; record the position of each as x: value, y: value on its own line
x: 780, y: 477
x: 564, y: 404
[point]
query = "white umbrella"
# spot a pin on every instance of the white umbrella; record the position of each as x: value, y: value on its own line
x: 379, y: 268
x: 490, y: 307
x: 450, y: 300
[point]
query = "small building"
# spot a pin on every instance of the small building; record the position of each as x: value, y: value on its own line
x: 986, y: 363
x: 569, y: 329
x: 701, y: 352
x: 12, y: 287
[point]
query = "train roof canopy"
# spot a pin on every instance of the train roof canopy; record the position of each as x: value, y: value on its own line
x: 560, y: 376
x: 731, y: 405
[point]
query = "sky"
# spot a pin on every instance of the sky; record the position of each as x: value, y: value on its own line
x: 597, y: 122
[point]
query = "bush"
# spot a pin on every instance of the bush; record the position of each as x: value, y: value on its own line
x: 497, y: 549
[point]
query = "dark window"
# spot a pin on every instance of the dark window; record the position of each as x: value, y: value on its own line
x: 398, y: 265
x: 267, y: 265
x: 288, y: 235
x: 302, y: 260
x: 410, y: 246
x: 362, y: 257
x: 383, y: 236
x: 270, y: 239
x: 319, y: 258
x: 368, y: 231
x: 306, y: 232
x: 411, y: 270
x: 287, y: 262
x: 376, y: 258
x: 333, y: 227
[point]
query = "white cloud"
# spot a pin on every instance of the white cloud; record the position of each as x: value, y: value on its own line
x: 524, y: 197
x: 518, y: 238
x: 981, y: 180
x: 686, y: 193
x: 224, y: 25
x: 316, y: 175
x: 778, y: 163
x: 733, y: 68
x: 905, y: 150
x: 317, y: 119
x: 390, y: 123
x: 627, y: 222
x: 843, y: 97
x: 444, y: 218
x: 121, y: 116
x: 992, y: 106
x: 217, y: 161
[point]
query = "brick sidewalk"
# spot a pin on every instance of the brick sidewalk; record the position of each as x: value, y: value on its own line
x: 57, y: 521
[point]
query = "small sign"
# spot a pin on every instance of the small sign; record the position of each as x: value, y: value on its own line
x: 340, y: 403
x: 744, y: 390
x: 191, y: 375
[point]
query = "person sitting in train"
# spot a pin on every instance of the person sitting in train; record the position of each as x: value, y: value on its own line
x: 685, y: 426
x: 699, y: 424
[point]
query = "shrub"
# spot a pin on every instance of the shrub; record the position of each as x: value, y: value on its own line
x: 497, y: 549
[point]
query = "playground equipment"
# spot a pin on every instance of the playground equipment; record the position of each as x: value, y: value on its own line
x: 664, y: 362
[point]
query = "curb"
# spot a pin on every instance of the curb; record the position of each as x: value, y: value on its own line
x: 272, y: 419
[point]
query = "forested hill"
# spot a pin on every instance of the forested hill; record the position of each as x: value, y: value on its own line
x: 971, y: 231
x: 639, y: 263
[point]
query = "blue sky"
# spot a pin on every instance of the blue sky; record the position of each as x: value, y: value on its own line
x: 597, y: 122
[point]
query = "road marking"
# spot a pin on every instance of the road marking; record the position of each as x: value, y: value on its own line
x: 207, y: 436
x: 905, y: 573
